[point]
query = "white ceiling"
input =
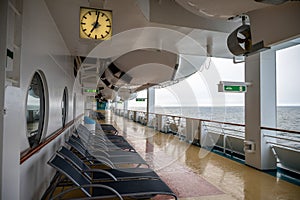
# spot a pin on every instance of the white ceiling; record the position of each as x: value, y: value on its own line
x: 220, y: 9
x: 127, y: 15
x: 129, y: 20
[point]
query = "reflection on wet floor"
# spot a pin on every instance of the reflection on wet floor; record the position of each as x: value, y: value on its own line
x: 194, y: 173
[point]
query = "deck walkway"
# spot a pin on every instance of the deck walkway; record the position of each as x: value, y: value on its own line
x: 194, y: 173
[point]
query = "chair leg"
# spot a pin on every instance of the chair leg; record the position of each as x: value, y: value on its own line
x: 49, y: 191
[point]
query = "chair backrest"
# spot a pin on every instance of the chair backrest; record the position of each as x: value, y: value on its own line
x: 67, y: 169
x: 82, y: 142
x: 98, y: 127
x: 78, y: 140
x: 86, y: 136
x: 73, y: 158
x: 83, y: 132
x: 101, y: 158
x: 80, y: 165
x: 83, y: 129
x: 89, y: 148
x: 107, y: 127
x: 77, y: 147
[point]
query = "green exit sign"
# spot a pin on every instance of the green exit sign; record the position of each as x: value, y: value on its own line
x: 91, y: 90
x: 140, y: 99
x: 237, y: 87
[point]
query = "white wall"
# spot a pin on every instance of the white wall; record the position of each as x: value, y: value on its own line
x: 35, y: 173
x: 10, y: 151
x: 3, y: 19
x: 42, y: 49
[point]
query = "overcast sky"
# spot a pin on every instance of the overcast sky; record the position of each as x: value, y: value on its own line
x: 200, y: 89
x: 288, y: 72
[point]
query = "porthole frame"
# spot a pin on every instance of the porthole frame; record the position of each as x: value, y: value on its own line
x: 64, y: 106
x: 36, y: 139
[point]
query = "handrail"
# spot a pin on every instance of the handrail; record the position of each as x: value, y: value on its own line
x: 204, y: 120
x: 227, y: 123
x: 282, y: 138
x: 224, y: 128
x: 25, y: 155
x: 282, y: 145
x: 282, y: 130
x: 231, y: 130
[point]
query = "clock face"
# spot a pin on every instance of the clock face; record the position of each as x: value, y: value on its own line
x: 95, y: 24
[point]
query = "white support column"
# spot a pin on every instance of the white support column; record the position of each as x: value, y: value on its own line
x: 192, y: 130
x: 9, y: 135
x: 150, y: 102
x: 125, y: 105
x: 125, y: 108
x: 3, y: 30
x: 260, y: 107
x: 11, y: 143
x: 115, y: 106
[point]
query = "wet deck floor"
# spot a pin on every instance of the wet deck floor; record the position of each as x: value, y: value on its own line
x: 194, y: 173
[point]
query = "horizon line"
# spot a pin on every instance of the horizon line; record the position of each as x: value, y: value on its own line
x: 232, y: 105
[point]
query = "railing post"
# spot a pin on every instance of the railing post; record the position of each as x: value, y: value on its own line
x: 224, y: 138
x: 192, y: 131
x: 197, y: 128
x: 150, y: 102
x: 125, y: 107
x: 134, y: 116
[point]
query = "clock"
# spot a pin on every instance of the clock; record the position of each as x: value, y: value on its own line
x: 95, y: 23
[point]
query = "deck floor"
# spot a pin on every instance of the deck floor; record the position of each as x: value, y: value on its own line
x: 193, y: 173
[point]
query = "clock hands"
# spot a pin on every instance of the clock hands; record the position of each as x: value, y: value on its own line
x: 96, y: 25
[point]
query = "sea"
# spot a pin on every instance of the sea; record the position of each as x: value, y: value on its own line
x: 288, y: 117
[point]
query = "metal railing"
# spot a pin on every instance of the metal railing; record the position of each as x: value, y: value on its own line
x: 227, y: 137
x: 284, y: 138
x: 224, y: 133
x: 285, y: 145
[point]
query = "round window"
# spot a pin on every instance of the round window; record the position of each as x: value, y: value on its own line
x: 35, y: 110
x: 64, y: 106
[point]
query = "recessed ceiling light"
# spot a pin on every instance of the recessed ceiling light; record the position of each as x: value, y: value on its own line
x: 205, y: 13
x: 191, y: 4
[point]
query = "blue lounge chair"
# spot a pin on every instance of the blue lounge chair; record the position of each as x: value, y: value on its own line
x: 130, y: 188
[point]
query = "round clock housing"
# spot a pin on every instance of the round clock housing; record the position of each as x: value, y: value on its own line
x: 95, y: 24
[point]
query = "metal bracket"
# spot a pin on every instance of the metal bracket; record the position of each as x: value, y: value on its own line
x: 245, y: 18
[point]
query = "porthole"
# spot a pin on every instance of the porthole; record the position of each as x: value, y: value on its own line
x: 35, y: 110
x: 64, y: 106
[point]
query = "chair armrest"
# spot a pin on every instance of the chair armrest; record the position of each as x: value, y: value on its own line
x: 101, y: 171
x: 60, y: 195
x: 104, y: 161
